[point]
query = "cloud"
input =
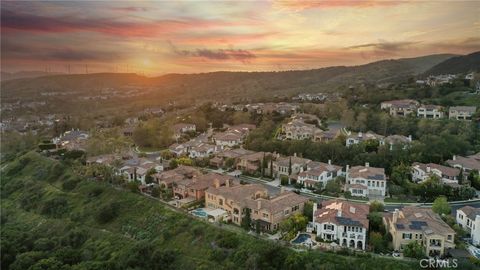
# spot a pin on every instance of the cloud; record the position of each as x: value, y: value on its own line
x: 385, y: 46
x: 324, y: 4
x: 218, y: 54
x: 131, y: 9
x: 18, y: 21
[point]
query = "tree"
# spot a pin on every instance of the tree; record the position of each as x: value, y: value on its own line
x: 376, y: 241
x: 474, y: 178
x: 376, y: 206
x: 107, y: 213
x: 441, y: 206
x: 308, y: 210
x: 292, y: 225
x: 149, y: 175
x: 414, y: 250
x: 173, y: 163
x: 247, y: 220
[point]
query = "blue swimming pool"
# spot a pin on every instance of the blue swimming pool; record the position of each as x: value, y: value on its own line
x: 199, y: 212
x: 301, y: 238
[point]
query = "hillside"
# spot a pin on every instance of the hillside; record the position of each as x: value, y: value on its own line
x: 53, y: 219
x: 458, y: 64
x: 23, y: 74
x: 233, y: 85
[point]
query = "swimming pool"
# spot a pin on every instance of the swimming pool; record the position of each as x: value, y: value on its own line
x: 199, y: 212
x: 301, y: 239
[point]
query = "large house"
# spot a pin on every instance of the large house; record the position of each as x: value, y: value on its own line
x: 421, y: 225
x: 180, y: 128
x: 229, y: 154
x: 252, y: 163
x: 72, y: 139
x: 366, y: 181
x: 422, y: 171
x: 167, y: 179
x: 469, y: 219
x: 362, y: 137
x: 297, y: 129
x: 319, y: 173
x: 403, y: 107
x: 233, y: 136
x: 467, y: 164
x: 195, y: 187
x: 341, y: 221
x: 137, y: 169
x: 267, y: 211
x: 393, y: 140
x: 430, y: 112
x: 462, y: 112
x: 289, y: 166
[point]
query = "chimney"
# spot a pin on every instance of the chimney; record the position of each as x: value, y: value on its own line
x: 367, y: 164
x: 295, y: 154
x: 409, y: 138
x: 282, y: 189
x: 216, y: 183
x: 329, y: 162
x: 395, y: 216
x: 428, y: 169
x: 347, y: 169
x: 259, y: 204
x: 360, y: 135
x: 454, y: 157
x: 314, y: 210
x: 227, y: 183
x: 339, y: 212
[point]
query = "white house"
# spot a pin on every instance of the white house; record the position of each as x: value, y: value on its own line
x: 462, y: 112
x: 343, y: 222
x: 289, y: 166
x: 318, y: 172
x: 366, y: 181
x: 421, y: 172
x: 430, y: 112
x: 469, y: 219
x: 362, y: 137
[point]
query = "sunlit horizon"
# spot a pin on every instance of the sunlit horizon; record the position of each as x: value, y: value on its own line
x: 155, y: 38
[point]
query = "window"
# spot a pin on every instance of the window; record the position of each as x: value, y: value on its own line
x: 265, y: 215
x: 406, y: 236
x: 449, y: 237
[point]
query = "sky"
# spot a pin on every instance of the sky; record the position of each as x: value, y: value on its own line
x: 158, y: 37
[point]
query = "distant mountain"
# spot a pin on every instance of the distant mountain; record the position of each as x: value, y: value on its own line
x: 23, y: 74
x: 459, y: 64
x: 231, y: 85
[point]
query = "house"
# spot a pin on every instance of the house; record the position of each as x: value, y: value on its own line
x: 393, y: 140
x: 203, y: 150
x: 181, y: 149
x: 233, y: 136
x: 462, y: 112
x: 319, y: 172
x: 252, y: 163
x: 421, y: 172
x: 297, y: 129
x: 195, y: 187
x: 430, y: 112
x: 366, y: 181
x: 228, y: 139
x: 467, y: 164
x: 289, y: 166
x: 73, y: 139
x: 469, y: 219
x: 137, y: 169
x: 180, y: 128
x: 362, y: 137
x: 268, y: 212
x: 343, y: 222
x: 403, y: 107
x: 421, y: 225
x: 229, y: 154
x: 327, y: 135
x: 166, y: 179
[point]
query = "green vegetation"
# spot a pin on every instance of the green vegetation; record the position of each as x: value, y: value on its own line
x: 441, y: 206
x: 94, y: 226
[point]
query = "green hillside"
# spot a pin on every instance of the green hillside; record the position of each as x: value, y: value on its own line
x: 458, y: 64
x: 52, y: 219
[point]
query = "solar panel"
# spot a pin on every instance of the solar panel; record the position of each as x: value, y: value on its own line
x: 400, y: 226
x: 417, y: 225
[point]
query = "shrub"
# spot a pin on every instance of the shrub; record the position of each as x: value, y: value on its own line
x: 55, y: 207
x: 107, y: 213
x: 70, y: 184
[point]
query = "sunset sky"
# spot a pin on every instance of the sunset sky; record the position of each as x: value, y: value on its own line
x: 198, y: 36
